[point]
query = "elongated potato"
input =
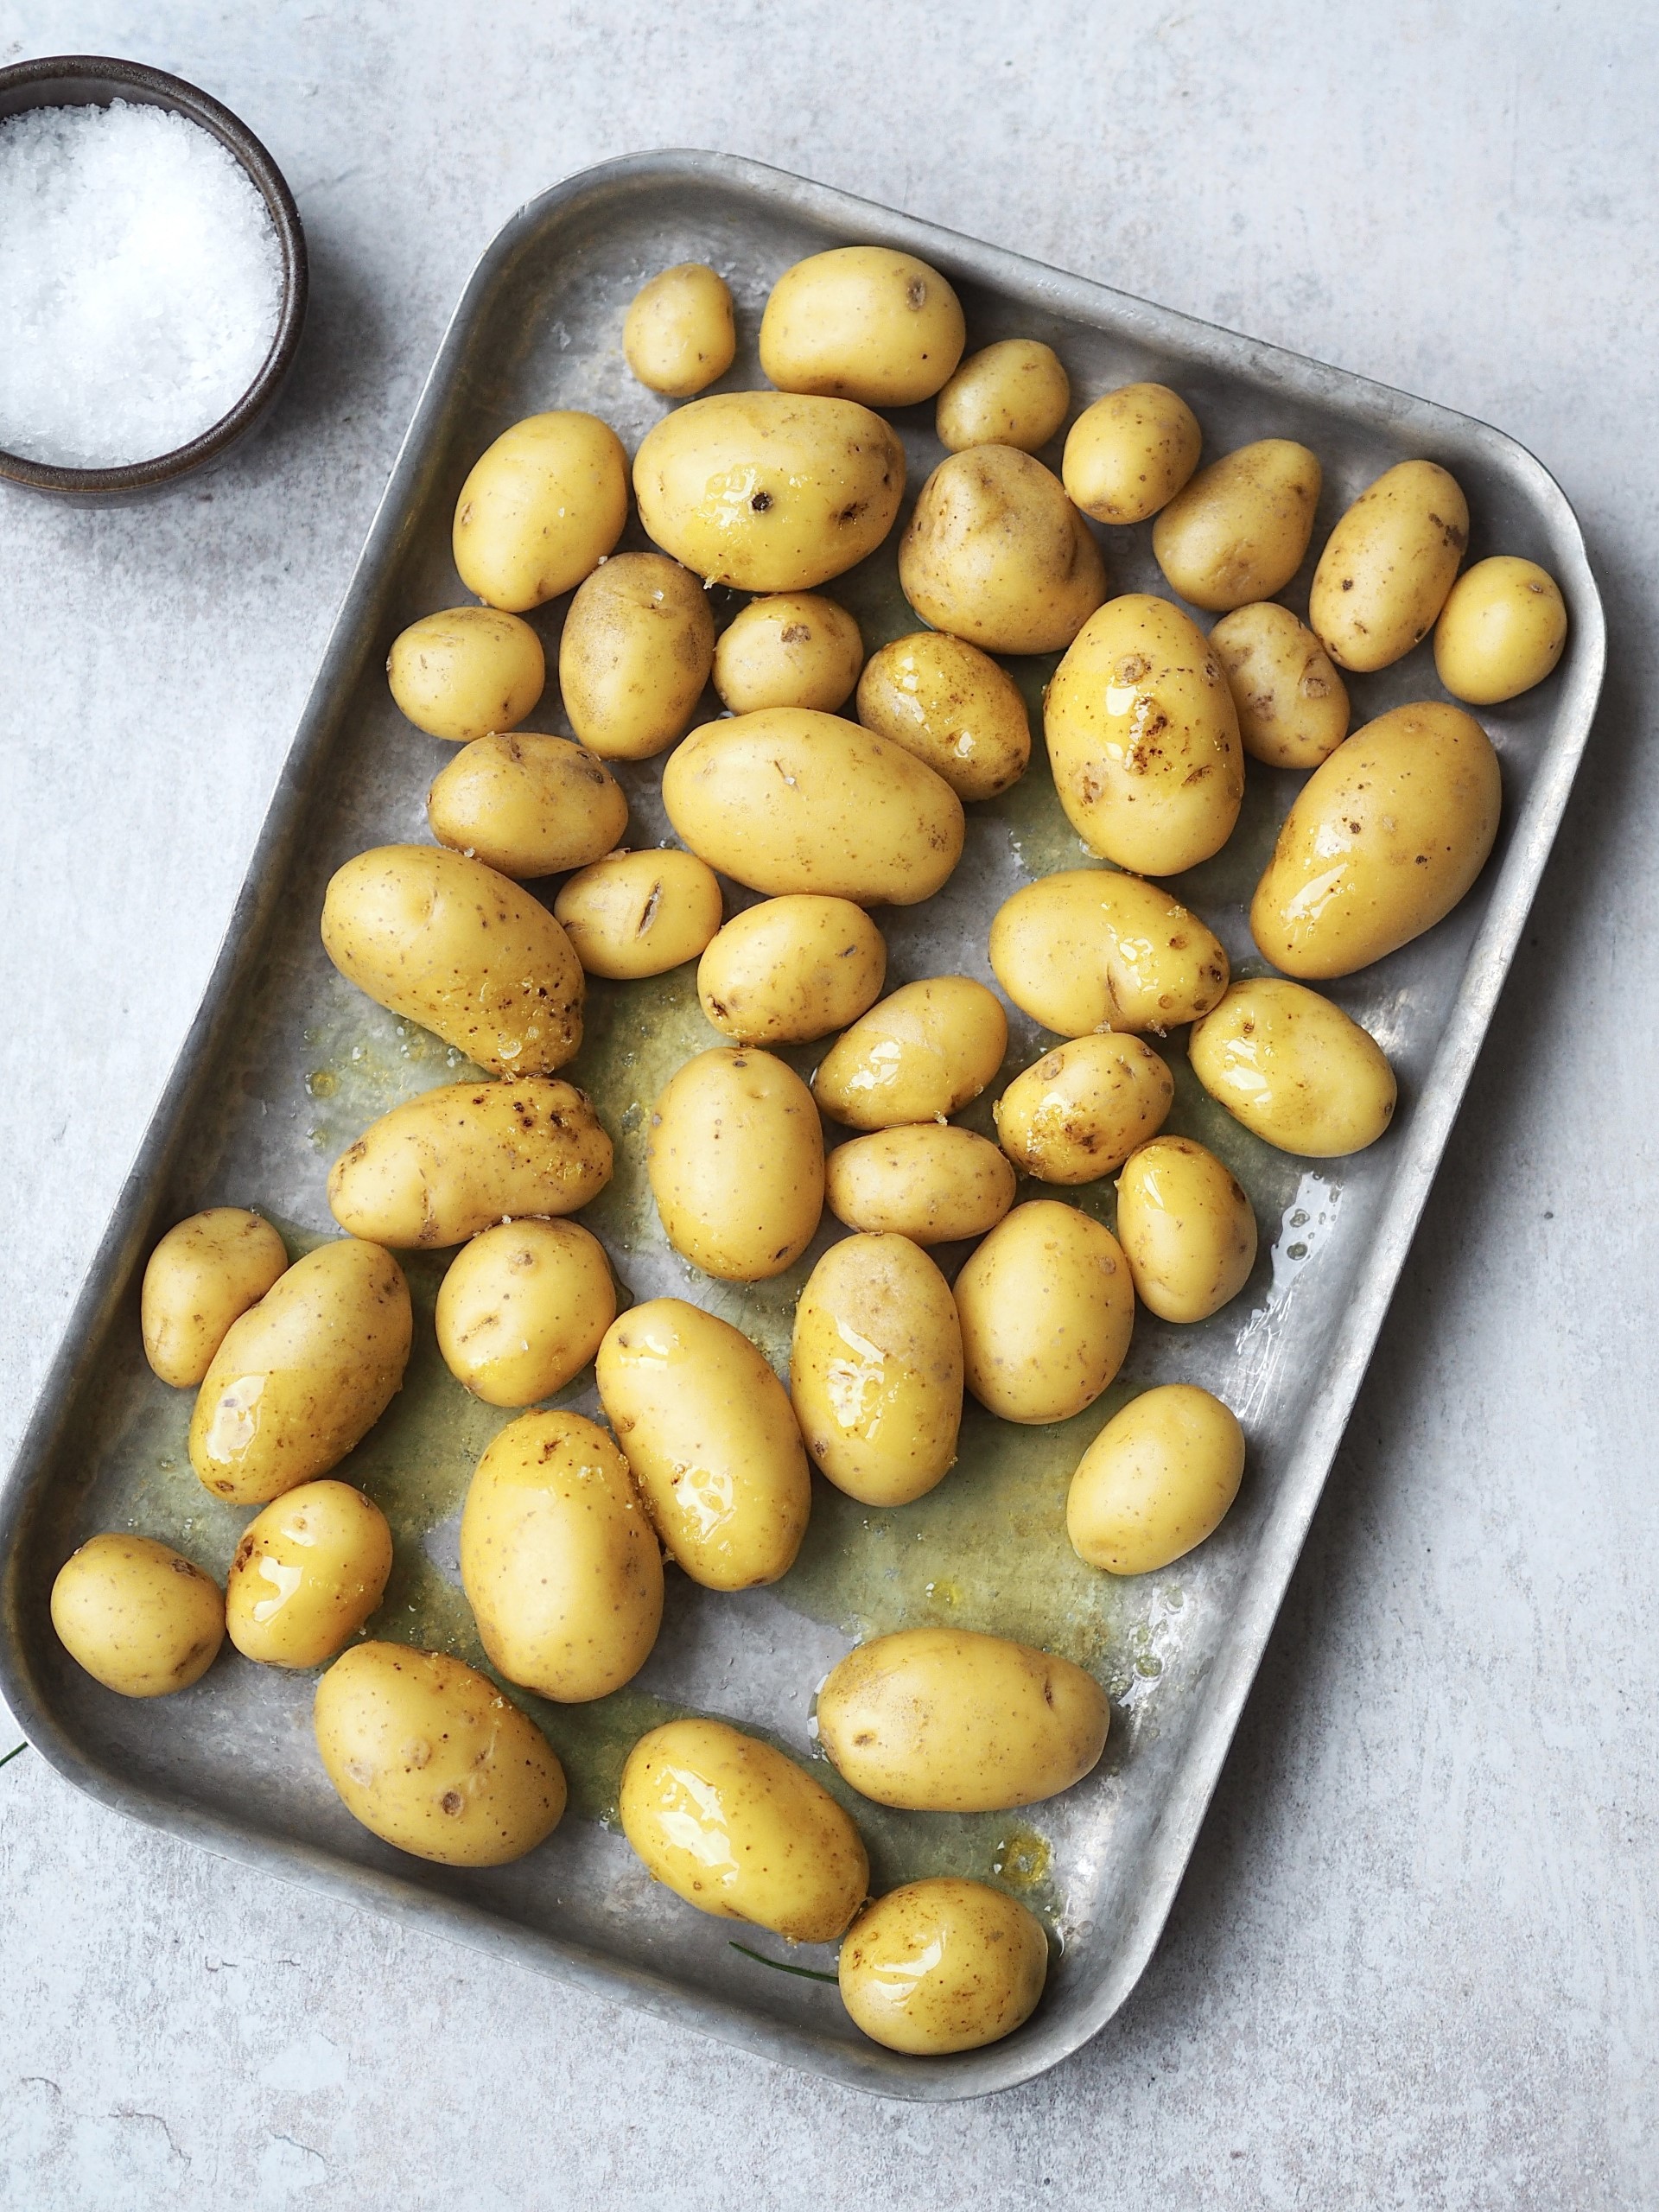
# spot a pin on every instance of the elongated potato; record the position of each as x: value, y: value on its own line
x: 995, y: 553
x: 932, y: 1183
x: 308, y: 1572
x: 862, y: 322
x: 1156, y: 1481
x: 541, y: 509
x: 1238, y: 531
x: 640, y: 913
x: 634, y: 655
x: 1089, y: 949
x: 204, y: 1274
x: 1047, y: 1306
x: 792, y: 969
x: 679, y: 335
x: 1293, y: 706
x: 1130, y: 453
x: 523, y: 1308
x: 1501, y: 630
x: 951, y: 706
x: 735, y: 1159
x: 920, y: 1055
x: 1294, y: 1069
x: 466, y: 672
x: 942, y: 1965
x: 790, y: 649
x: 1187, y: 1228
x: 1081, y: 1111
x: 1388, y: 566
x: 527, y: 805
x: 139, y: 1616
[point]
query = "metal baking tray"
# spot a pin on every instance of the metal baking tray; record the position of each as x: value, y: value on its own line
x: 285, y: 1062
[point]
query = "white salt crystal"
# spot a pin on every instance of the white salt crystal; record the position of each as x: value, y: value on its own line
x: 140, y: 284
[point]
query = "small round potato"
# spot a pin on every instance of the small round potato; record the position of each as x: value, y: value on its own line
x: 679, y: 335
x: 1082, y: 1108
x: 523, y: 1308
x: 951, y: 706
x: 791, y: 649
x: 139, y: 1618
x: 1156, y: 1481
x: 204, y: 1274
x: 466, y: 672
x: 527, y: 805
x: 308, y: 1572
x: 1501, y: 631
x: 1014, y: 393
x: 541, y: 509
x: 634, y: 656
x: 918, y: 1056
x: 1238, y: 532
x: 933, y: 1183
x: 1047, y: 1306
x: 995, y: 553
x: 1294, y: 1068
x: 640, y: 913
x: 1187, y: 1228
x: 862, y: 322
x: 1130, y: 452
x: 1088, y: 949
x: 735, y: 1159
x: 1293, y: 706
x: 942, y: 1965
x: 1388, y: 566
x: 791, y: 970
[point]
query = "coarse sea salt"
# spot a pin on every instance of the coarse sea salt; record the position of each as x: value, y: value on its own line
x: 141, y: 284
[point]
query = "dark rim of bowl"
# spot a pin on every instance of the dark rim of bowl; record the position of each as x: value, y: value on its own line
x: 86, y: 79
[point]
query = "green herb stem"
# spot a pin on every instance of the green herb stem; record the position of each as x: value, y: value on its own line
x: 778, y: 1966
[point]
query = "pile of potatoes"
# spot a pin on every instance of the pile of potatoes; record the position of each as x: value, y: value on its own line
x: 824, y: 815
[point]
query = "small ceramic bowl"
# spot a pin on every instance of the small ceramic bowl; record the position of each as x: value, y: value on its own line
x: 84, y: 79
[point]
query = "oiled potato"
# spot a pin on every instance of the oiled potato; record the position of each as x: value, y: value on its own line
x: 427, y: 1753
x: 791, y: 649
x: 541, y: 509
x: 1294, y: 1069
x: 769, y: 491
x: 560, y: 1564
x: 995, y: 553
x: 679, y: 335
x: 523, y: 1308
x: 1047, y: 1306
x: 944, y: 1964
x: 1014, y: 393
x: 439, y: 1169
x: 739, y: 1830
x: 1238, y: 532
x: 640, y: 913
x: 1388, y: 566
x: 1081, y: 1111
x: 448, y: 943
x: 527, y: 805
x: 735, y: 1159
x: 1187, y: 1228
x: 951, y: 706
x: 875, y: 1369
x: 308, y: 1572
x: 1501, y: 631
x: 1293, y: 706
x: 1156, y: 1481
x: 140, y: 1619
x: 862, y: 322
x: 792, y: 969
x: 1130, y: 453
x: 933, y: 1183
x: 713, y: 1441
x: 466, y: 672
x: 946, y: 1720
x: 788, y: 801
x: 1382, y: 842
x: 204, y: 1274
x: 1088, y: 949
x: 917, y: 1056
x: 635, y: 654
x: 1144, y: 739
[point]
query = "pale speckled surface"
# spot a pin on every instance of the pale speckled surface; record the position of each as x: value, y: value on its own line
x: 1414, y: 1963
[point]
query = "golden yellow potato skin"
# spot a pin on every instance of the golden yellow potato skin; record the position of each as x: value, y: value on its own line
x: 541, y: 509
x: 1294, y: 1069
x: 427, y: 1753
x: 738, y: 1830
x: 635, y: 653
x: 933, y: 1183
x: 559, y: 1561
x: 1144, y: 739
x: 862, y: 322
x: 308, y: 1572
x: 304, y: 1375
x: 947, y: 1720
x: 1047, y: 1307
x: 439, y: 1169
x: 769, y: 491
x: 791, y: 649
x: 204, y: 1274
x: 1156, y: 1481
x: 942, y: 1965
x: 1238, y: 532
x: 466, y: 672
x: 735, y: 1159
x: 995, y: 553
x: 1014, y: 393
x: 713, y: 1441
x: 679, y: 335
x: 1501, y: 630
x: 791, y: 802
x: 139, y: 1618
x: 875, y: 1369
x: 921, y: 1053
x: 1382, y: 842
x: 1293, y: 706
x: 792, y: 969
x: 447, y: 942
x: 1187, y: 1228
x: 523, y: 1308
x: 1388, y: 566
x: 951, y: 706
x: 527, y: 805
x: 640, y: 913
x: 1081, y: 1111
x: 1087, y: 949
x: 1130, y: 453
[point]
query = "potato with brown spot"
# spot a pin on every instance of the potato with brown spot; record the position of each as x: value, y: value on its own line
x: 527, y: 805
x: 942, y: 1965
x: 1089, y: 949
x: 951, y: 706
x: 920, y: 1055
x: 1293, y: 706
x: 523, y: 1309
x: 640, y: 913
x: 1014, y: 393
x: 790, y: 649
x: 634, y: 657
x: 138, y: 1617
x: 465, y: 672
x: 1129, y: 453
x: 679, y: 336
x: 540, y: 509
x: 1388, y: 565
x: 203, y: 1275
x: 1187, y: 1228
x: 308, y: 1572
x: 792, y: 969
x: 1156, y: 1482
x: 1238, y: 531
x: 1501, y: 630
x: 995, y: 553
x: 1081, y: 1111
x: 932, y: 1182
x: 862, y: 322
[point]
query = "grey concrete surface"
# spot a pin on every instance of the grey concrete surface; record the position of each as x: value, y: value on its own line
x: 1414, y: 1962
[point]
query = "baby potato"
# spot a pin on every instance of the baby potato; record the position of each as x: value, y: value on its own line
x: 523, y: 1308
x: 942, y: 1965
x: 1047, y: 1306
x: 951, y: 706
x: 1156, y: 1481
x: 541, y: 509
x: 679, y: 335
x: 792, y: 969
x: 712, y: 1439
x: 947, y: 1720
x: 640, y: 913
x: 1501, y: 631
x: 995, y: 553
x: 1130, y: 453
x: 1388, y: 566
x: 1382, y: 842
x: 1294, y: 1068
x: 635, y: 653
x: 1088, y: 950
x: 1187, y: 1228
x: 527, y: 805
x: 1293, y: 706
x: 862, y: 322
x: 1014, y: 393
x: 875, y: 1369
x: 1144, y: 739
x: 560, y: 1564
x: 1238, y: 532
x: 304, y: 1375
x: 439, y: 1169
x: 448, y: 943
x: 204, y: 1274
x: 138, y: 1618
x: 466, y: 672
x: 1082, y: 1109
x: 308, y: 1572
x: 427, y: 1753
x: 788, y: 802
x: 740, y: 1830
x: 917, y: 1056
x: 933, y: 1183
x: 735, y: 1159
x: 791, y: 649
